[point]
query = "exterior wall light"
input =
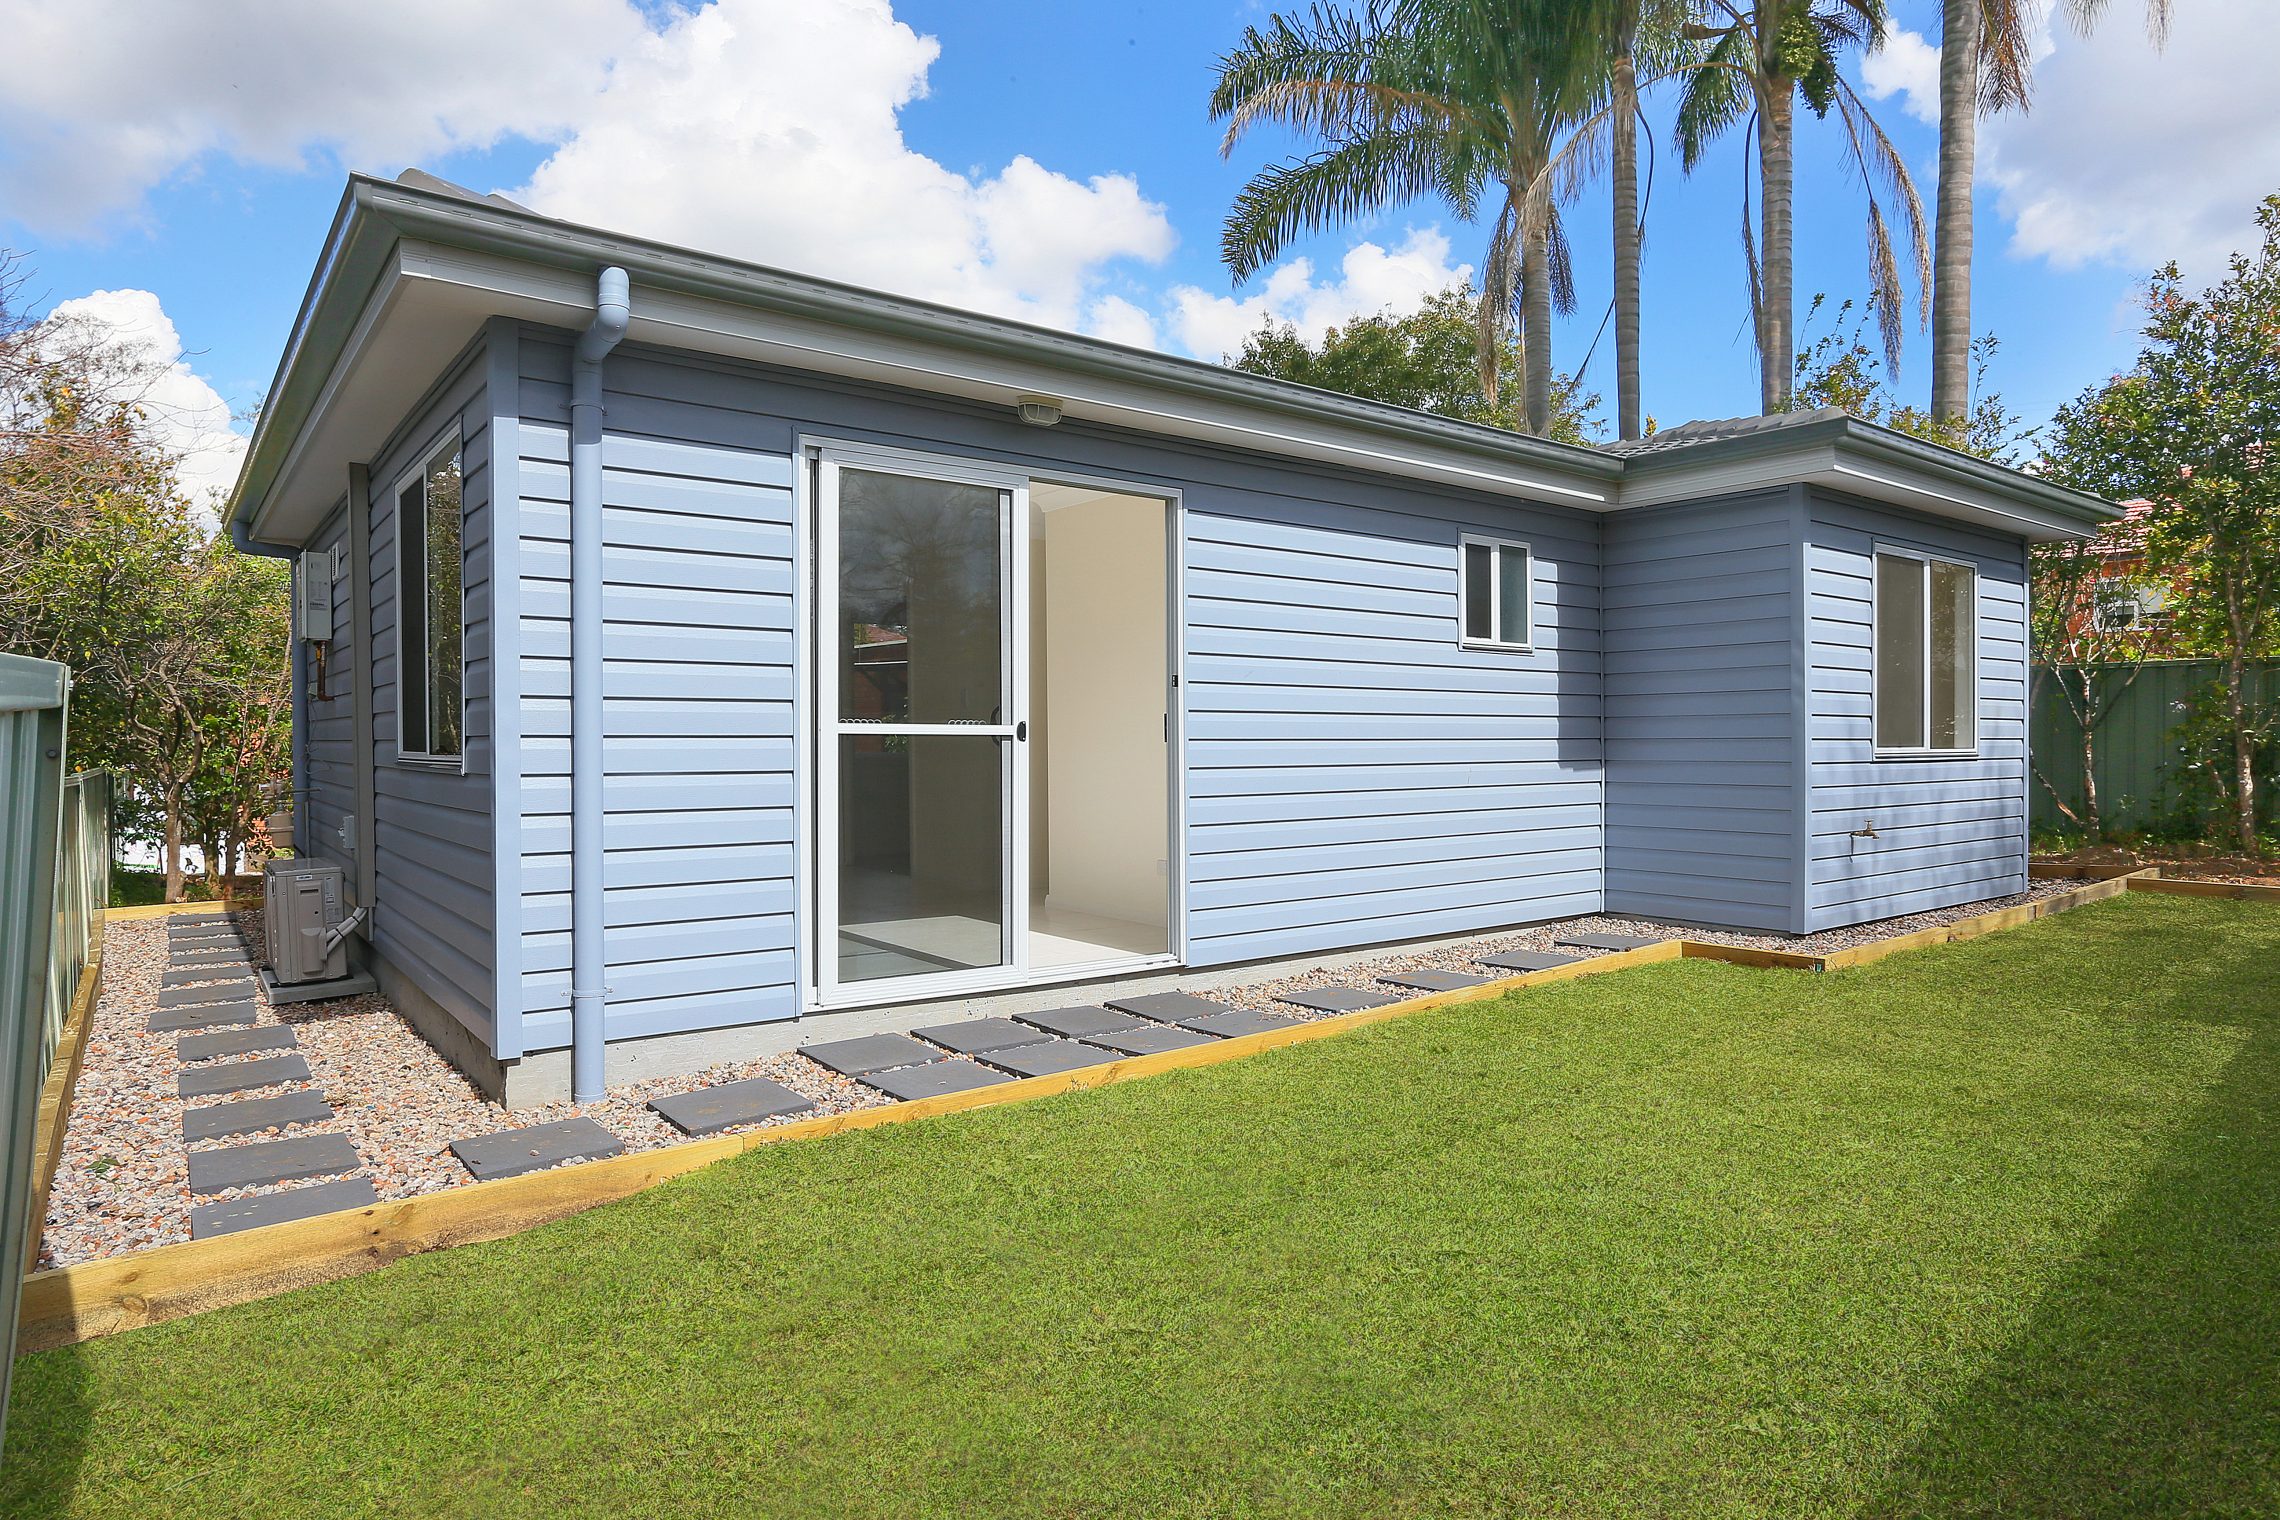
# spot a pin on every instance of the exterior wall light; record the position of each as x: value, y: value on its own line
x: 1038, y: 411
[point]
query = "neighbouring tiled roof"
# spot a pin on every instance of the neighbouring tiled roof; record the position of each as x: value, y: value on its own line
x: 1710, y: 431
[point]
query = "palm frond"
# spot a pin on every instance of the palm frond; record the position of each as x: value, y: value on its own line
x: 1329, y: 75
x: 1499, y: 288
x: 1879, y: 162
x: 2007, y: 30
x: 1749, y: 249
x: 1562, y: 261
x: 1885, y: 297
x: 1718, y: 94
x: 1283, y: 201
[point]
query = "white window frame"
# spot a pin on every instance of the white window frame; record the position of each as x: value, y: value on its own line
x: 1497, y: 548
x: 450, y: 438
x: 1923, y: 751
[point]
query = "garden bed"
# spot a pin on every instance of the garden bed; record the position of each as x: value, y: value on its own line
x: 2180, y: 863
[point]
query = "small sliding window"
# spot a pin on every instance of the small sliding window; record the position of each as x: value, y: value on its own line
x: 1926, y: 681
x: 431, y: 614
x: 1493, y: 610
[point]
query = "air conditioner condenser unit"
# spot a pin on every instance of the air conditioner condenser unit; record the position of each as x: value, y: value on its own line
x: 306, y: 924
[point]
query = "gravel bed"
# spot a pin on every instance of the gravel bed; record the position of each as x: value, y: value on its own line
x: 123, y: 1184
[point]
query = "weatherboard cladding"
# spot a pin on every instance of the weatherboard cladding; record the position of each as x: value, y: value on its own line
x: 1353, y: 775
x: 1701, y: 759
x: 433, y: 919
x: 1947, y: 830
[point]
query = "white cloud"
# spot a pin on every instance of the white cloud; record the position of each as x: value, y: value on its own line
x: 1370, y: 279
x: 706, y: 135
x: 1908, y: 66
x: 188, y: 417
x: 1120, y: 321
x: 102, y: 100
x: 2134, y: 157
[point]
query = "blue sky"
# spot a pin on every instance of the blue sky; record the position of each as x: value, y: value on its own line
x: 1050, y: 162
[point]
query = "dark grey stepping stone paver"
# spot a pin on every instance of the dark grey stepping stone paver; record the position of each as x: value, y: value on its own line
x: 1239, y: 1021
x: 933, y: 1081
x: 199, y: 960
x: 233, y: 1042
x: 512, y: 1152
x: 203, y: 1016
x: 973, y: 1036
x: 1595, y: 940
x: 1171, y: 1007
x: 237, y: 1076
x: 1079, y: 1023
x: 211, y: 934
x: 1528, y: 960
x: 1046, y: 1058
x: 209, y: 1219
x: 189, y: 976
x: 866, y: 1053
x: 1148, y: 1039
x: 1337, y: 999
x: 268, y: 1161
x: 715, y: 1108
x: 217, y: 992
x: 250, y: 1114
x: 1433, y: 980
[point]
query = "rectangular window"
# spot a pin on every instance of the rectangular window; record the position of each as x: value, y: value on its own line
x: 430, y: 614
x: 1926, y: 681
x: 1493, y: 594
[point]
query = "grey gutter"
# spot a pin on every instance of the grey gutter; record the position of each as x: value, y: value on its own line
x: 1884, y: 444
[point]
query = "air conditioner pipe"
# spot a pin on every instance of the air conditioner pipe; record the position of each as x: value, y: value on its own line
x: 588, y: 995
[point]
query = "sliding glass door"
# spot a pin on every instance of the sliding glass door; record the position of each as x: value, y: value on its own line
x: 922, y: 688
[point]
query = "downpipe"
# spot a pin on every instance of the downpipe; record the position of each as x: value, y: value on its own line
x: 588, y: 995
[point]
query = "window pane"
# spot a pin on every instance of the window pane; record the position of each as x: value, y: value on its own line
x: 1512, y: 586
x: 1478, y: 604
x: 445, y: 607
x: 921, y: 594
x: 922, y: 853
x: 411, y: 612
x: 1899, y: 697
x: 1953, y: 684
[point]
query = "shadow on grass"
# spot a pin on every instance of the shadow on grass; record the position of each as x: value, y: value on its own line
x: 2148, y: 1381
x: 50, y: 1409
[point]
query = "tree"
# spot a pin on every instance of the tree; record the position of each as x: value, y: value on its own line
x: 1762, y: 55
x: 1986, y: 66
x: 1448, y: 99
x: 2089, y: 658
x: 2191, y: 428
x: 1839, y: 369
x: 1424, y: 359
x: 176, y: 643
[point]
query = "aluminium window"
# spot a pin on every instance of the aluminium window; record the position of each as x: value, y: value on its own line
x: 430, y: 612
x: 1493, y: 603
x: 1925, y: 691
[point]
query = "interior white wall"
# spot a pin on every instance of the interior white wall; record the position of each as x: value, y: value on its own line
x: 1100, y: 685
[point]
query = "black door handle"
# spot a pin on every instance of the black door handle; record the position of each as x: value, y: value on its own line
x: 1021, y: 732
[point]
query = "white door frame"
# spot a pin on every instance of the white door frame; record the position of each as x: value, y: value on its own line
x: 817, y: 461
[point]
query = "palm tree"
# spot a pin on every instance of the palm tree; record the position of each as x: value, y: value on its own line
x: 1763, y: 54
x: 1450, y: 99
x: 1986, y: 66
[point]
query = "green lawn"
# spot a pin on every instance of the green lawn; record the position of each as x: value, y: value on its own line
x: 1992, y: 1229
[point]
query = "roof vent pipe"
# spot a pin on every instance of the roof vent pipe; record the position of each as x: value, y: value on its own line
x: 587, y: 967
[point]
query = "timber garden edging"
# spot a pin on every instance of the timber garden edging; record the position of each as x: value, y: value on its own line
x: 118, y: 1293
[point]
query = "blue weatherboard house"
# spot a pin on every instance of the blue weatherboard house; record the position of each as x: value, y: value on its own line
x: 695, y: 654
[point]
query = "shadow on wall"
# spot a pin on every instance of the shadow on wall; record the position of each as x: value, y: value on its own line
x: 2148, y: 1381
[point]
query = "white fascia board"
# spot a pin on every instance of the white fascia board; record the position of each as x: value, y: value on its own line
x: 1832, y: 465
x: 678, y: 320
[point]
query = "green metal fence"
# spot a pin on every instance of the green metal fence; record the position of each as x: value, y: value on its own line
x: 2141, y: 781
x: 55, y: 868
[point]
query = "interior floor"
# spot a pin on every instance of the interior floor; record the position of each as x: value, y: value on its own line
x: 893, y: 926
